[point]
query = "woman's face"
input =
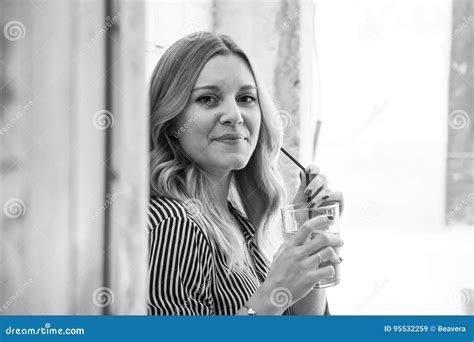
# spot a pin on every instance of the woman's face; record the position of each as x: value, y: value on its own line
x: 220, y: 125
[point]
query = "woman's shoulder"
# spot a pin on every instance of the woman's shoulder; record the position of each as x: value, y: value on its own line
x: 165, y: 209
x: 162, y: 208
x: 171, y: 226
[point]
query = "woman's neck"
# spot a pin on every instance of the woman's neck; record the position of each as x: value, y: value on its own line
x: 219, y: 186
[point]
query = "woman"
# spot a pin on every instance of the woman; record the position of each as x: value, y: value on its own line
x: 216, y: 189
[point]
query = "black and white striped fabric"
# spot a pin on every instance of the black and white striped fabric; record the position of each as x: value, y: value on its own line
x: 187, y: 273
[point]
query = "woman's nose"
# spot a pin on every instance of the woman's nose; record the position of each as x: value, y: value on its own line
x: 231, y: 114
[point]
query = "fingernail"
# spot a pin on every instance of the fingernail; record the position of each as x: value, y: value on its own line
x: 341, y: 258
x: 331, y: 217
x: 325, y: 197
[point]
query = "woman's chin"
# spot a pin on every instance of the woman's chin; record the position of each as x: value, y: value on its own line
x: 235, y: 164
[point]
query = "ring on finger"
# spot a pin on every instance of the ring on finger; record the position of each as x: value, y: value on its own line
x: 321, y: 259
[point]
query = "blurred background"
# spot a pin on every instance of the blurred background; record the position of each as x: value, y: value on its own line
x: 389, y: 83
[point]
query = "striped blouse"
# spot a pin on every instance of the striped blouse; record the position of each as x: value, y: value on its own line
x: 187, y: 273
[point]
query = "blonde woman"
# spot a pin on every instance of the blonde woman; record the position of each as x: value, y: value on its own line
x: 216, y: 189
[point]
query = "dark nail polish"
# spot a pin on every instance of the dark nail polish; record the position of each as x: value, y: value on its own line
x: 340, y: 259
x: 331, y: 217
x: 325, y: 197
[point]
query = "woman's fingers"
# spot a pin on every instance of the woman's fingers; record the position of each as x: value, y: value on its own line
x: 309, y: 227
x: 332, y: 197
x: 316, y: 185
x: 318, y: 199
x: 327, y: 254
x: 323, y: 272
x: 312, y: 170
x: 320, y: 241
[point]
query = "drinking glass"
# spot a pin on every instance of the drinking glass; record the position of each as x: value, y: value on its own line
x: 293, y: 217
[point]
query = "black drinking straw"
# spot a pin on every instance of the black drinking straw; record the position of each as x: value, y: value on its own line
x: 302, y: 168
x: 315, y: 142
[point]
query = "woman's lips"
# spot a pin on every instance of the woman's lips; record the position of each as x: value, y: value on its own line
x: 232, y: 141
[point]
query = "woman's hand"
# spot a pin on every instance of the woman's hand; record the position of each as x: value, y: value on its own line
x: 317, y: 190
x: 296, y: 266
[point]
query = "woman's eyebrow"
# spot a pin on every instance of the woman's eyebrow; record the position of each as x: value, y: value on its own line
x: 213, y: 87
x: 247, y: 87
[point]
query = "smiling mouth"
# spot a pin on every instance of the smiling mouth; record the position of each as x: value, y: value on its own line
x: 232, y: 139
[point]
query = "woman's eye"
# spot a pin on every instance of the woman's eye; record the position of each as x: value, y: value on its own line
x: 207, y: 100
x: 247, y: 99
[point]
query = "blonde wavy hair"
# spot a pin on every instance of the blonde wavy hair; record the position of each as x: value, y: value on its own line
x: 257, y: 190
